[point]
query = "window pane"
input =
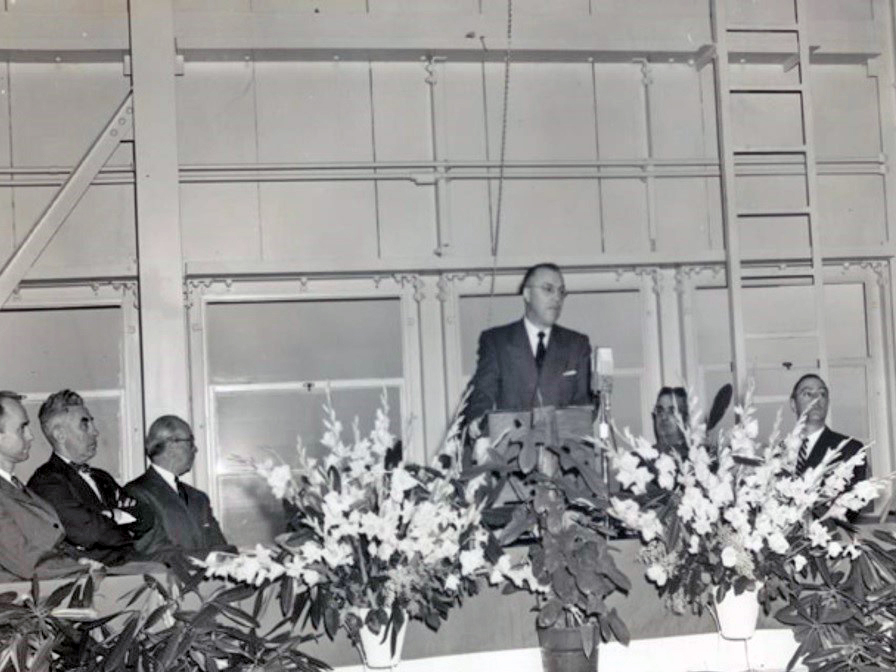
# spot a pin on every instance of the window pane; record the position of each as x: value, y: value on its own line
x: 304, y: 340
x: 48, y: 350
x: 266, y: 423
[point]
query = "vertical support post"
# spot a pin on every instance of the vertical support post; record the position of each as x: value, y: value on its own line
x: 162, y: 321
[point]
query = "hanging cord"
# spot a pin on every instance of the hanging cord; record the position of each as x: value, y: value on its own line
x: 495, y: 230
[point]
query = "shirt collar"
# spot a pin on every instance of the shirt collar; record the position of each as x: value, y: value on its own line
x: 812, y: 438
x: 532, y: 333
x: 5, y: 474
x: 169, y: 477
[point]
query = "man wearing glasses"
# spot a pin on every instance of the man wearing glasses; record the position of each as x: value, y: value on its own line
x: 182, y: 516
x: 534, y: 361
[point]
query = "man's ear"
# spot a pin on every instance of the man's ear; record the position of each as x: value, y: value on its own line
x: 793, y: 405
x: 58, y: 433
x: 527, y: 295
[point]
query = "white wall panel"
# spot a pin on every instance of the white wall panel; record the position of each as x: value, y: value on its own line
x: 845, y: 112
x: 621, y: 129
x: 220, y: 221
x: 314, y: 6
x: 58, y: 109
x: 552, y: 217
x: 424, y: 6
x: 677, y: 113
x: 852, y: 210
x: 7, y: 229
x: 470, y: 218
x: 573, y: 7
x: 765, y: 234
x: 401, y: 112
x: 683, y: 223
x: 313, y: 112
x: 766, y: 120
x: 99, y: 231
x: 841, y: 9
x: 67, y: 6
x: 407, y: 219
x: 304, y: 220
x: 464, y: 119
x: 771, y: 191
x: 760, y: 11
x: 551, y: 111
x: 218, y: 5
x: 624, y: 216
x: 216, y: 113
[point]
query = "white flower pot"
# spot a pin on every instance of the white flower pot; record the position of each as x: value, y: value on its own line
x: 376, y: 648
x: 737, y: 614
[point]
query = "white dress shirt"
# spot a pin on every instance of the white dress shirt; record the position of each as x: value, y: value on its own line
x: 88, y: 479
x: 532, y: 333
x: 812, y: 439
x: 168, y: 477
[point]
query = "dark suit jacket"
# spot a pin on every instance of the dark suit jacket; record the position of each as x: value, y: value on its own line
x: 829, y: 440
x: 507, y: 379
x: 97, y: 536
x: 30, y: 534
x: 189, y: 527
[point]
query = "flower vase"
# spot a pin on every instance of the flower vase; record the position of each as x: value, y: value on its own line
x: 376, y: 648
x: 737, y: 614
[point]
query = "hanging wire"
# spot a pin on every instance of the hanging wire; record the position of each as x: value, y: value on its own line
x: 495, y: 229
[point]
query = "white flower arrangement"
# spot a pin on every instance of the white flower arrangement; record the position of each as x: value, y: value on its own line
x: 735, y: 514
x: 373, y: 532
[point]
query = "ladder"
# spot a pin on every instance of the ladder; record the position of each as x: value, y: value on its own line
x: 734, y: 213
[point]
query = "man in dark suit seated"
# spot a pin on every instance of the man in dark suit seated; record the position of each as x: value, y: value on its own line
x: 98, y: 518
x: 810, y: 396
x: 32, y: 539
x: 182, y: 515
x: 533, y: 361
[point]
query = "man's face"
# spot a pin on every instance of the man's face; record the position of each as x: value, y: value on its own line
x: 666, y: 416
x: 77, y: 435
x: 15, y: 433
x: 808, y: 391
x: 180, y: 450
x: 543, y: 296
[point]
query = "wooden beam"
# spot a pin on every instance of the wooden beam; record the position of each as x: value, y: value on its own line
x: 65, y: 200
x: 162, y: 314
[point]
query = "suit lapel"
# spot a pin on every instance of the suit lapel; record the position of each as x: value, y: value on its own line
x: 30, y: 500
x: 172, y: 502
x: 524, y: 359
x: 82, y: 490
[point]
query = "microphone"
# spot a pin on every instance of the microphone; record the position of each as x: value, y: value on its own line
x: 602, y: 366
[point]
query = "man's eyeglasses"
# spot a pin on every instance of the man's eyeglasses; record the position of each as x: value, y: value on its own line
x: 191, y: 440
x: 551, y: 290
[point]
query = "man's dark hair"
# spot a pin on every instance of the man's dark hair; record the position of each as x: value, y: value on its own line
x: 57, y: 404
x: 681, y: 399
x: 806, y: 376
x: 532, y: 270
x: 12, y: 396
x: 160, y: 431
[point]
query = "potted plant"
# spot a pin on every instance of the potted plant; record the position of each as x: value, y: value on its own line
x: 734, y: 516
x: 557, y: 513
x: 377, y: 540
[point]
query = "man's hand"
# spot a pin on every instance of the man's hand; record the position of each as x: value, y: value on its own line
x: 122, y: 501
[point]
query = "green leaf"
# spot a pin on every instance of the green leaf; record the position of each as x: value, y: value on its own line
x: 115, y: 658
x: 586, y: 630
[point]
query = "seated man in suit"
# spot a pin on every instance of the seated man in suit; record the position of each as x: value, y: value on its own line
x: 32, y: 539
x: 810, y: 396
x: 97, y: 516
x: 182, y: 515
x: 533, y: 361
x: 671, y: 408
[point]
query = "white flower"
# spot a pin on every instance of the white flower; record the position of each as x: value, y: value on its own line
x: 818, y: 534
x: 631, y: 475
x: 626, y: 510
x: 694, y: 544
x: 650, y: 525
x: 778, y: 543
x: 645, y: 449
x: 834, y: 549
x: 452, y: 582
x: 279, y: 479
x: 666, y: 469
x: 471, y: 561
x: 657, y: 574
x: 729, y: 557
x: 799, y: 562
x: 481, y: 448
x: 402, y: 481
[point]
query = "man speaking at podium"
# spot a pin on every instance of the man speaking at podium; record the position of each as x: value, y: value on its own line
x: 534, y: 361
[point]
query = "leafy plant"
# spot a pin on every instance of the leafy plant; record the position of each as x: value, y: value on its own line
x: 558, y: 513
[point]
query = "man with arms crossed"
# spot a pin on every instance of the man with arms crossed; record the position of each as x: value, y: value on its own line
x: 97, y: 516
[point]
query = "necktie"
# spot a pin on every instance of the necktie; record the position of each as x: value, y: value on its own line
x: 83, y: 467
x: 181, y: 490
x: 803, y: 457
x: 16, y: 482
x: 540, y: 351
